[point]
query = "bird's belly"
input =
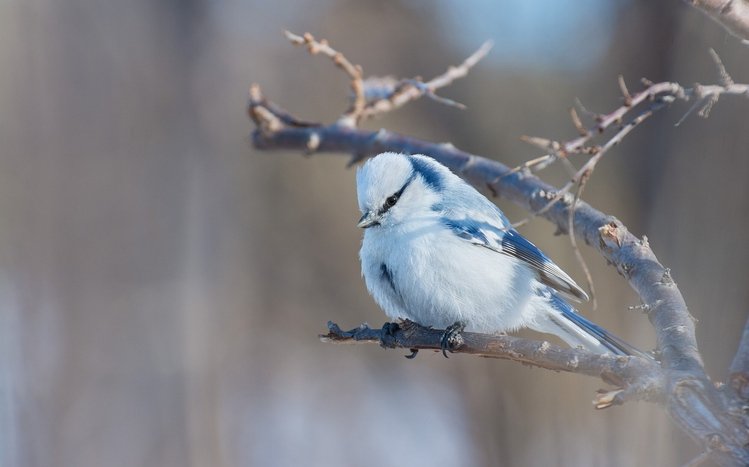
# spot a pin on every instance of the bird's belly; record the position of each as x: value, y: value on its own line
x: 439, y: 279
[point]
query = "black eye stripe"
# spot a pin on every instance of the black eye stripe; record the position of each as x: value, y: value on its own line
x: 391, y: 200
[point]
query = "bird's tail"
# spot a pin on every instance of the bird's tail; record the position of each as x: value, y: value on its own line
x: 563, y: 321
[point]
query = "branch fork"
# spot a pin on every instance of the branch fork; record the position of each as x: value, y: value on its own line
x: 715, y: 417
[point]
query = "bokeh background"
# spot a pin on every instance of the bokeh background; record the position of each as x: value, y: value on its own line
x: 162, y: 283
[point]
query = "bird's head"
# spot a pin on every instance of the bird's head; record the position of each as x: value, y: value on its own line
x: 393, y: 188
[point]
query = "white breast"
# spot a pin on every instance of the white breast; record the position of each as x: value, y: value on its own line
x: 435, y: 278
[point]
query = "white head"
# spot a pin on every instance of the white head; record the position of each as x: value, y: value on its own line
x: 394, y: 187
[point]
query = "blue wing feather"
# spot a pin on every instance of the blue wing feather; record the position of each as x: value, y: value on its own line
x: 511, y: 243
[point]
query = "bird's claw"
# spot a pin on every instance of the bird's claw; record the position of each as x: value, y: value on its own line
x: 387, y: 338
x: 451, y: 338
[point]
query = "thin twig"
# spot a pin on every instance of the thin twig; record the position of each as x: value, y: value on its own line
x: 573, y: 241
x: 577, y: 122
x: 410, y: 90
x: 654, y: 92
x: 599, y: 152
x: 352, y: 116
x: 625, y: 92
x: 725, y: 78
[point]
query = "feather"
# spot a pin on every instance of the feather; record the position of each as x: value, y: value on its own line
x: 511, y: 243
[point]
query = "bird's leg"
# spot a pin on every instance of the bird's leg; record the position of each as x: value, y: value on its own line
x: 451, y: 338
x: 387, y: 338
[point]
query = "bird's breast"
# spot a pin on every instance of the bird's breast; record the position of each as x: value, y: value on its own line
x: 431, y: 276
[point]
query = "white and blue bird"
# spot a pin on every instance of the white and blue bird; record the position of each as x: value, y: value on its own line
x: 439, y: 253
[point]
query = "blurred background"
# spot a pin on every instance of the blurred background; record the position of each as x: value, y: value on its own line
x: 162, y: 284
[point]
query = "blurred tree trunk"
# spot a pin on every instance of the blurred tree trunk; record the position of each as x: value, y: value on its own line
x: 95, y: 101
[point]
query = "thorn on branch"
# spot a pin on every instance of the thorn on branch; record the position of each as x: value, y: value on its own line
x: 594, y: 116
x: 581, y: 130
x: 605, y: 399
x: 625, y: 91
x: 725, y: 78
x: 538, y: 164
x: 543, y: 143
x: 709, y: 103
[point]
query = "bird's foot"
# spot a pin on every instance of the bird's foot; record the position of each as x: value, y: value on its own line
x: 451, y: 338
x: 387, y: 338
x: 389, y: 341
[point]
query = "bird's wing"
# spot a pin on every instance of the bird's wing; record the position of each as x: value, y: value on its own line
x: 509, y: 242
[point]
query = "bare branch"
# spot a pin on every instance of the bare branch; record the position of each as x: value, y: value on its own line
x: 660, y: 95
x: 410, y: 90
x: 725, y: 78
x: 598, y: 152
x: 733, y: 15
x: 351, y: 117
x: 573, y: 241
x: 639, y: 378
x: 692, y: 399
x: 269, y: 116
x: 708, y: 415
x: 634, y: 259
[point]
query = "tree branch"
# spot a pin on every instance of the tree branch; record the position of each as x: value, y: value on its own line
x: 355, y: 72
x: 733, y: 15
x: 712, y: 417
x: 640, y: 378
x: 655, y: 97
x: 411, y: 89
x: 633, y: 258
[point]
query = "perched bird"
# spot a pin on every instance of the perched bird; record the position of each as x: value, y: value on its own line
x: 437, y: 252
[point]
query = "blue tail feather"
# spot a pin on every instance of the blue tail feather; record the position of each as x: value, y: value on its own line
x: 613, y: 343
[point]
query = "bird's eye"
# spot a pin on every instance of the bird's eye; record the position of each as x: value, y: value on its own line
x: 390, y: 202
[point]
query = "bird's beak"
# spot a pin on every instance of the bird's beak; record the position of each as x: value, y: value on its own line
x: 368, y: 220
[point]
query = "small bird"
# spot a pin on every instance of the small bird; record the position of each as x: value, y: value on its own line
x: 439, y: 253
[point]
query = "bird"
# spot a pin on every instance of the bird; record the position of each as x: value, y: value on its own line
x: 437, y: 252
